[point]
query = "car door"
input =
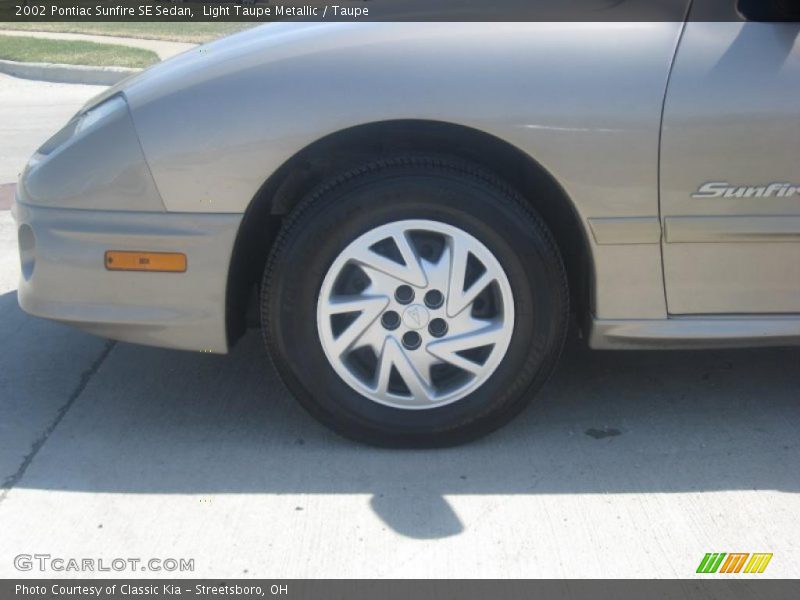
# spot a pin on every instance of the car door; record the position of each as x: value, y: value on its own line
x: 730, y: 180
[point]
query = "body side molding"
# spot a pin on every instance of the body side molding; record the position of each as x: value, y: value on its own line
x: 695, y: 332
x: 773, y: 228
x: 626, y: 230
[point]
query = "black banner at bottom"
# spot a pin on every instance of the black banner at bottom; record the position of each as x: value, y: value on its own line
x: 341, y: 589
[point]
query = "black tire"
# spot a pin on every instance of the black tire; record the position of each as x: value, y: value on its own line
x: 413, y: 187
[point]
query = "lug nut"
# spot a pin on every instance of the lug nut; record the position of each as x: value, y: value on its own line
x: 411, y: 340
x: 404, y: 294
x: 437, y: 327
x: 434, y: 299
x: 390, y: 320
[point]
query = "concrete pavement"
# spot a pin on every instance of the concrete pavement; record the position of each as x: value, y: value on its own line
x: 629, y: 465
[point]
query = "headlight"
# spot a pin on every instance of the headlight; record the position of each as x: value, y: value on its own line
x: 100, y: 112
x: 95, y: 162
x: 83, y: 122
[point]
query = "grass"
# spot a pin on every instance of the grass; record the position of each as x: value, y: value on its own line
x: 28, y: 49
x: 173, y: 32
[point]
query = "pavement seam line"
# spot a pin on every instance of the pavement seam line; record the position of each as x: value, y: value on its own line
x: 86, y: 376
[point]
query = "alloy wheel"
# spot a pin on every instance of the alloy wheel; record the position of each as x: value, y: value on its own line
x: 415, y: 314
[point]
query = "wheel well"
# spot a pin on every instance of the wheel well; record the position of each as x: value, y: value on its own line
x: 348, y: 148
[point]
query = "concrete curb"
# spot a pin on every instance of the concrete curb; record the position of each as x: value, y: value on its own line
x: 58, y: 73
x: 162, y: 48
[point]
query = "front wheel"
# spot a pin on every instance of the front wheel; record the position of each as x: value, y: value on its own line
x: 414, y: 302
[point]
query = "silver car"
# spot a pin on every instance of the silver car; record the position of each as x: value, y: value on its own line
x: 411, y: 212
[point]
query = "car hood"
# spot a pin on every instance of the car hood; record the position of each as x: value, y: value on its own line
x: 265, y: 42
x: 244, y: 50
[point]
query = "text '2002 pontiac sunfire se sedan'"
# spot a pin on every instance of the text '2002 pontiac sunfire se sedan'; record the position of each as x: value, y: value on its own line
x: 412, y: 211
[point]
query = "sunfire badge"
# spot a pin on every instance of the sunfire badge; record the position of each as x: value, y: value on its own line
x: 722, y: 189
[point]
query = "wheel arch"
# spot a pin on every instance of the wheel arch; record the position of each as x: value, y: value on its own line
x: 349, y: 147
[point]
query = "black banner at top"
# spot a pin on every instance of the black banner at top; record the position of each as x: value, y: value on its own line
x: 398, y: 10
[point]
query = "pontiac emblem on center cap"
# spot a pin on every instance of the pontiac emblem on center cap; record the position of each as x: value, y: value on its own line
x: 416, y: 316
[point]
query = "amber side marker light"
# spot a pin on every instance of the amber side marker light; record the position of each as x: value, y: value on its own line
x: 164, y: 262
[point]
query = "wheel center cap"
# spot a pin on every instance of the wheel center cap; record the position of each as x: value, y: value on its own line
x: 416, y: 316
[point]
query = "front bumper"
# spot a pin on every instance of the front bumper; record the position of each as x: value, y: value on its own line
x: 64, y: 276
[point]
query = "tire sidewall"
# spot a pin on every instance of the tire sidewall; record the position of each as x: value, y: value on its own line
x: 332, y: 220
